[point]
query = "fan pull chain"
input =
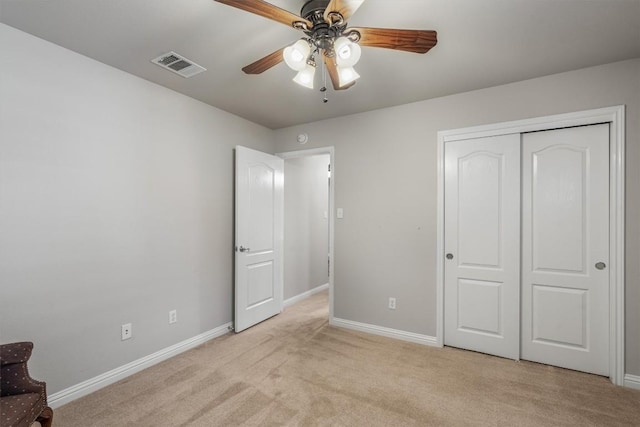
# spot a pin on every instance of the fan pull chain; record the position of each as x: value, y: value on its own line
x: 323, y: 89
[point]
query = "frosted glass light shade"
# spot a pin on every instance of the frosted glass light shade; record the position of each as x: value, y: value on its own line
x: 347, y: 75
x: 305, y: 76
x: 347, y: 52
x: 296, y: 55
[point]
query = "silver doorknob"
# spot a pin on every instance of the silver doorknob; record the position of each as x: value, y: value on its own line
x: 243, y: 249
x: 449, y: 256
x: 601, y: 266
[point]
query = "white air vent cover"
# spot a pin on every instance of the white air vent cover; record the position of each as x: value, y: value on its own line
x: 178, y: 64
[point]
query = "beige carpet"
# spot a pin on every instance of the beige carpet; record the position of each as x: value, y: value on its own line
x: 295, y: 369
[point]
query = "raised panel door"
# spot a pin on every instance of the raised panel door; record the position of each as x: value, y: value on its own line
x: 482, y: 240
x: 565, y: 234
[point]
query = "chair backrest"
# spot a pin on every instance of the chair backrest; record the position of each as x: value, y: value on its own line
x: 14, y: 376
x: 17, y: 352
x: 15, y: 381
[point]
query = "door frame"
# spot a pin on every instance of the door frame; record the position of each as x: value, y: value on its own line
x: 616, y: 117
x: 331, y: 216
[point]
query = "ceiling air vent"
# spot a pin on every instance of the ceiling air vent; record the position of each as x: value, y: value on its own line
x: 178, y: 64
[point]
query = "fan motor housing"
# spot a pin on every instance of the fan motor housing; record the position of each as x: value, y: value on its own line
x: 322, y: 33
x: 313, y: 7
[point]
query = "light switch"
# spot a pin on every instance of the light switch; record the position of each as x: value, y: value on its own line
x: 340, y: 213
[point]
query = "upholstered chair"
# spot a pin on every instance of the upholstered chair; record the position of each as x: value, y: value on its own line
x: 23, y: 400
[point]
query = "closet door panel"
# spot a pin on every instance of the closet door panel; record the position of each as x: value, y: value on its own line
x: 482, y: 231
x: 565, y: 234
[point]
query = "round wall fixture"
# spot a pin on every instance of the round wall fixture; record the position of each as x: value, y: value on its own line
x: 303, y: 138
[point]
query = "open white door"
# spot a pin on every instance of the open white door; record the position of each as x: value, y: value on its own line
x: 259, y: 235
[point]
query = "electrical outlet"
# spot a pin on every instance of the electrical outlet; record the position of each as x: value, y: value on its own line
x: 392, y: 303
x: 126, y: 331
x: 173, y: 316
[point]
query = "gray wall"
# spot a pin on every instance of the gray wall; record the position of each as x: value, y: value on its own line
x: 385, y: 172
x: 116, y: 201
x: 306, y: 233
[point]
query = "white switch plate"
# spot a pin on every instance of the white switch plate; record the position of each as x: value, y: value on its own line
x: 340, y: 213
x: 126, y: 331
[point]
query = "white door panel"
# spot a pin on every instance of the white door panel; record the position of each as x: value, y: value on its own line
x: 559, y: 181
x: 567, y: 326
x: 565, y: 199
x: 259, y: 231
x: 482, y: 231
x: 473, y: 294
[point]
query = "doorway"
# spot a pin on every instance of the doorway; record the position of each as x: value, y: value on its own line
x: 308, y: 219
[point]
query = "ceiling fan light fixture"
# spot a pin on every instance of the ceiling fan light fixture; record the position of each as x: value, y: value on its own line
x: 324, y: 23
x: 347, y: 75
x: 305, y: 76
x: 347, y: 52
x: 296, y: 55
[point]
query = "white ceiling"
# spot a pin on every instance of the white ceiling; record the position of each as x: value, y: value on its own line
x: 482, y: 43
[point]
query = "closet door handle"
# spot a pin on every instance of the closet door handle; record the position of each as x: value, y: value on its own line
x: 601, y: 265
x: 449, y: 256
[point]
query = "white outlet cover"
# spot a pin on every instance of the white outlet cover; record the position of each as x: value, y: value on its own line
x: 126, y: 331
x: 173, y: 316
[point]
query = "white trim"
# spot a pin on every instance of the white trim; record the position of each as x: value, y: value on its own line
x: 614, y: 115
x: 385, y: 332
x: 305, y: 295
x: 332, y: 218
x: 579, y: 118
x: 440, y: 242
x: 616, y: 245
x: 632, y: 381
x: 93, y: 384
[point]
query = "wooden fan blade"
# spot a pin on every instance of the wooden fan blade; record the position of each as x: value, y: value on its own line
x: 346, y: 8
x: 418, y: 41
x: 267, y: 10
x: 332, y: 69
x: 263, y: 64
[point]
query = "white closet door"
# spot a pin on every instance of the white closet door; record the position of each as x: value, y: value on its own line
x: 482, y: 242
x: 565, y: 248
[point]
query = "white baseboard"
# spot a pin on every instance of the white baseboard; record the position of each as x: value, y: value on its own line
x: 632, y: 381
x: 385, y: 332
x: 89, y: 386
x: 305, y: 295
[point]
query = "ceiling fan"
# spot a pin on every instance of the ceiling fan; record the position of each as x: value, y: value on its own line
x: 324, y: 23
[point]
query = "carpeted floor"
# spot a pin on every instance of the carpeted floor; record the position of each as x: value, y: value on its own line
x: 296, y: 370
